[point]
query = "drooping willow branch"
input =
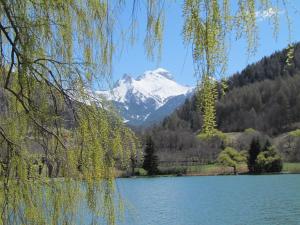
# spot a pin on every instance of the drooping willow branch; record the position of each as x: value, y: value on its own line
x: 49, y: 121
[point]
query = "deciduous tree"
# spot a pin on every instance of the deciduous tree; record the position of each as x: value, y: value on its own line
x: 231, y: 157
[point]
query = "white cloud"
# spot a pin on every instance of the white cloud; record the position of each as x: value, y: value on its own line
x: 265, y: 14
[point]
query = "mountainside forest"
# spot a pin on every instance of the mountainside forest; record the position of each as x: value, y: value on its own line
x: 264, y: 96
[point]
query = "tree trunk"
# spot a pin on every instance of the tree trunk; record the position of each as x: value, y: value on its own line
x: 133, y: 164
x: 234, y: 170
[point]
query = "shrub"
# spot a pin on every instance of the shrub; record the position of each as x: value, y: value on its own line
x: 295, y: 133
x: 216, y: 134
x: 250, y: 131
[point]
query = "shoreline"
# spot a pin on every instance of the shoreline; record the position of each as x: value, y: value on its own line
x: 209, y: 175
x: 204, y: 170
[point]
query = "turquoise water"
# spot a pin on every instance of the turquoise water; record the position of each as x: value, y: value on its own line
x: 214, y: 200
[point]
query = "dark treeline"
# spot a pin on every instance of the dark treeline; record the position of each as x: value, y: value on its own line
x: 265, y: 96
x: 271, y: 106
x: 270, y: 67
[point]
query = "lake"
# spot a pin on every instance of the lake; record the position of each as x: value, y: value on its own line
x: 211, y: 200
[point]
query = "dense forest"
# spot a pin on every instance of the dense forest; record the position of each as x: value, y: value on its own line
x: 264, y: 96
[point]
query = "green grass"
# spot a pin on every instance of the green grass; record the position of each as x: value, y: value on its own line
x: 172, y: 170
x: 291, y: 167
x: 209, y: 169
x: 213, y: 169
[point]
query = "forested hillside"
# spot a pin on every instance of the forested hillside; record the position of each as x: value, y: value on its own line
x: 266, y: 91
x: 265, y: 96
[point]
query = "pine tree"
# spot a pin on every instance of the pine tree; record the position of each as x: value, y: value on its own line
x: 253, y: 153
x: 268, y: 161
x: 150, y: 163
x: 267, y: 145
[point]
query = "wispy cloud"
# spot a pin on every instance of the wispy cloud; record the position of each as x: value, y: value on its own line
x: 267, y: 13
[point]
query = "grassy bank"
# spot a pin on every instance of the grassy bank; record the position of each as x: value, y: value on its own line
x: 291, y: 168
x: 206, y: 170
x: 201, y: 170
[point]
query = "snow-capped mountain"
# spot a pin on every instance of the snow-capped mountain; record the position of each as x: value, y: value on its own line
x: 148, y: 98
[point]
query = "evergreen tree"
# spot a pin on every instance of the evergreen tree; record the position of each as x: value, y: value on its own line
x: 268, y: 161
x: 267, y: 145
x: 150, y: 163
x: 253, y: 153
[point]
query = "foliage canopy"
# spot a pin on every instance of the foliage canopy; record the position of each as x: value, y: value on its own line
x: 231, y: 157
x: 269, y: 161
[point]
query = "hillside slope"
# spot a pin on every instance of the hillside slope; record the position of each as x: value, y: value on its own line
x: 265, y: 96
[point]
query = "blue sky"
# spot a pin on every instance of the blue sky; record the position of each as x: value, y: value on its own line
x: 177, y: 58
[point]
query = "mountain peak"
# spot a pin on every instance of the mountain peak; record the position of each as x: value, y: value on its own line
x: 139, y: 99
x: 126, y: 77
x: 164, y: 73
x: 159, y: 72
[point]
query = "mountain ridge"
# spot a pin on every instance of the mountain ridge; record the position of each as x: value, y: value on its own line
x: 154, y: 95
